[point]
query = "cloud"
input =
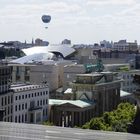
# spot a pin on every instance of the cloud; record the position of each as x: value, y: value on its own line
x: 24, y: 11
x: 110, y: 2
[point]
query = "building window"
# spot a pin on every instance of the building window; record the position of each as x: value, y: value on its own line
x: 19, y: 97
x: 2, y: 101
x: 46, y: 101
x: 25, y: 117
x: 8, y: 119
x: 29, y: 95
x: 26, y: 96
x: 32, y: 95
x: 16, y: 98
x: 16, y: 108
x: 19, y: 107
x: 22, y: 106
x: 46, y: 92
x: 38, y: 93
x: 41, y: 102
x: 19, y: 118
x: 11, y: 110
x: 22, y: 118
x: 15, y: 118
x: 22, y: 96
x: 11, y: 99
x: 11, y: 119
x: 8, y: 100
x: 37, y: 103
x: 25, y: 105
x: 43, y: 92
x: 8, y: 110
x: 5, y: 100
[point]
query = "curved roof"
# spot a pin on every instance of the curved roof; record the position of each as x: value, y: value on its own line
x: 64, y: 49
x: 34, y: 58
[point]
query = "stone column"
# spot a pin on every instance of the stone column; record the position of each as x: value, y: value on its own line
x: 80, y: 118
x: 83, y: 117
x: 60, y: 119
x: 72, y: 119
x: 64, y: 119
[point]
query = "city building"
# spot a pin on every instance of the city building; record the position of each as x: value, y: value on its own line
x: 30, y: 103
x: 6, y: 97
x: 128, y: 78
x: 40, y: 42
x: 40, y: 73
x: 70, y: 72
x: 91, y: 95
x: 125, y: 72
x: 106, y: 44
x: 123, y: 46
x: 102, y: 88
x: 37, y: 74
x: 70, y: 113
x: 24, y: 103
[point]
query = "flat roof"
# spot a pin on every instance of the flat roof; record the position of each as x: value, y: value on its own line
x: 79, y: 103
x: 127, y: 64
x: 124, y: 93
x: 90, y: 74
x: 24, y: 87
x: 20, y: 131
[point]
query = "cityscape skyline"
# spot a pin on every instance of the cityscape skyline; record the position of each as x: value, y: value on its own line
x: 82, y: 21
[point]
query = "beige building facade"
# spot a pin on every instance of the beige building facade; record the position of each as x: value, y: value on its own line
x: 102, y: 88
x: 38, y: 74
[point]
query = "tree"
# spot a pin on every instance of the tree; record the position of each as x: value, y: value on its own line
x: 116, y: 120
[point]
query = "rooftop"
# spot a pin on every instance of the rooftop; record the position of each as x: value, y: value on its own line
x: 124, y: 93
x: 25, y: 87
x: 79, y: 103
x: 19, y: 131
x: 90, y: 74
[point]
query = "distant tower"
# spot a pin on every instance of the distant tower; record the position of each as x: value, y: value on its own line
x: 32, y: 42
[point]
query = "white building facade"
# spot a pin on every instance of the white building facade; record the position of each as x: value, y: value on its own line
x: 30, y: 103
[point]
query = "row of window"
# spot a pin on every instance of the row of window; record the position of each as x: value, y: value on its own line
x: 8, y: 110
x: 42, y: 102
x: 127, y: 76
x: 24, y: 106
x: 21, y: 118
x: 8, y: 119
x: 31, y: 95
x: 24, y: 118
x: 21, y: 107
x: 6, y: 100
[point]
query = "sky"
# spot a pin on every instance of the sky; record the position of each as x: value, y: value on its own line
x: 81, y: 21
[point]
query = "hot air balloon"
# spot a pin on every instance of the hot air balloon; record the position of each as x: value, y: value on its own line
x: 46, y: 18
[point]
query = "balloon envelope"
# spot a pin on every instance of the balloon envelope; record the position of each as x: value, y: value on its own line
x: 46, y: 18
